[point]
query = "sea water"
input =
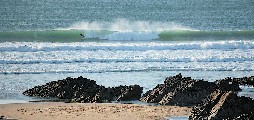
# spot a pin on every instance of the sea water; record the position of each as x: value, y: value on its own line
x: 125, y: 42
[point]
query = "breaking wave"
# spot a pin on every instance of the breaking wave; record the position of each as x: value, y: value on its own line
x: 122, y: 29
x: 91, y: 35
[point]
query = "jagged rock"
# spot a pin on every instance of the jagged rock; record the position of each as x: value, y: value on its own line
x: 248, y: 116
x: 244, y: 80
x: 120, y: 93
x: 63, y: 89
x: 85, y: 90
x: 232, y: 84
x: 178, y: 90
x: 130, y: 93
x: 223, y: 105
x: 228, y: 84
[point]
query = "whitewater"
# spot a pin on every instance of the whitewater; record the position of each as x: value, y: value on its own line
x: 126, y: 56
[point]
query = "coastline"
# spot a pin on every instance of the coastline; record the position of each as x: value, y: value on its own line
x: 78, y: 111
x: 123, y: 60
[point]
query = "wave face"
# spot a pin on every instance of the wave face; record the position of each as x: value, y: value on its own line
x: 130, y: 36
x: 86, y: 57
x: 172, y: 35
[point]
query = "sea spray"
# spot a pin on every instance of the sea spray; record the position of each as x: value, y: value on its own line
x: 123, y: 25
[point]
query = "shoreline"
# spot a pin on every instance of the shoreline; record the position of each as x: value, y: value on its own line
x: 78, y: 111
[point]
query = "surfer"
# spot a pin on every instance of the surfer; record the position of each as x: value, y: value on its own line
x: 82, y: 36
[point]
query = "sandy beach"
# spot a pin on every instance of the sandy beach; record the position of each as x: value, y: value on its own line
x: 89, y: 111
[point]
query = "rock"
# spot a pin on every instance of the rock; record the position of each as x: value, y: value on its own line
x: 120, y: 93
x: 228, y: 84
x: 249, y: 116
x: 178, y: 90
x: 84, y: 90
x: 63, y: 89
x: 223, y: 105
x: 130, y: 93
x: 232, y: 84
x: 245, y: 80
x: 239, y: 81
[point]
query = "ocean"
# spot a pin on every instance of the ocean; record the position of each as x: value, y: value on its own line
x: 123, y: 42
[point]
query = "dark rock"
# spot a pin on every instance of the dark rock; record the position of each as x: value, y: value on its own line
x: 248, y: 116
x: 84, y: 90
x: 121, y: 93
x: 239, y: 81
x: 245, y: 80
x: 228, y: 84
x: 178, y: 90
x: 232, y: 84
x: 130, y: 93
x: 223, y: 105
x: 63, y: 89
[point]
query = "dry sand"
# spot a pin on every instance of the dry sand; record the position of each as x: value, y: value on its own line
x: 89, y: 111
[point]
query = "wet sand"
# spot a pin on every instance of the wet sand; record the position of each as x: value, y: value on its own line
x: 89, y: 111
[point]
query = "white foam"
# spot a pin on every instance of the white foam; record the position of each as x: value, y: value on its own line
x: 110, y: 52
x: 228, y: 45
x: 9, y: 101
x: 91, y: 46
x: 33, y: 57
x: 125, y: 60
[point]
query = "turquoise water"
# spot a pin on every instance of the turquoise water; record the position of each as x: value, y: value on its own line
x: 125, y: 42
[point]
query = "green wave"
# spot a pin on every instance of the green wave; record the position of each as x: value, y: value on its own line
x: 207, y: 35
x: 74, y: 35
x: 42, y: 36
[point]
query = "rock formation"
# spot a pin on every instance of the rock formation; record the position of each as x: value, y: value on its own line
x: 239, y: 81
x: 178, y: 90
x: 211, y: 100
x: 228, y: 84
x: 85, y: 90
x: 223, y: 105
